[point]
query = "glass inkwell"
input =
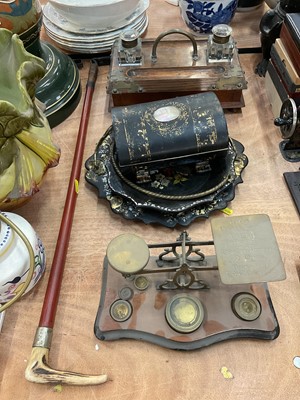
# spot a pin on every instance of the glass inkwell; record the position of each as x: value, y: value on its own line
x: 129, y: 48
x: 220, y: 45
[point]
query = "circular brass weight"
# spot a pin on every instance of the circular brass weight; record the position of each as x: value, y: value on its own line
x: 125, y: 293
x: 141, y: 282
x: 128, y: 253
x: 120, y: 310
x: 184, y: 313
x: 246, y: 306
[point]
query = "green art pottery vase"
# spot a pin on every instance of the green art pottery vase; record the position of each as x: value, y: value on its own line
x: 26, y: 147
x: 59, y: 89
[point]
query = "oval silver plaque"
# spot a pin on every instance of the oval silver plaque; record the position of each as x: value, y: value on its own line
x: 166, y: 114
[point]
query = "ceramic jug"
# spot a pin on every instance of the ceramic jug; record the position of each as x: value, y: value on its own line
x: 15, y: 260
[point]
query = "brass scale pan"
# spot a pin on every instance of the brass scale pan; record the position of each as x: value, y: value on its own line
x: 129, y: 254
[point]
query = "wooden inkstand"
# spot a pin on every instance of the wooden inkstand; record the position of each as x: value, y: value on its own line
x: 141, y: 72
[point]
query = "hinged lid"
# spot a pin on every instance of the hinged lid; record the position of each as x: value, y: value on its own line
x: 182, y: 127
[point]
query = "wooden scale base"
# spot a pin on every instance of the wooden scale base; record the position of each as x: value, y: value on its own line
x: 178, y: 300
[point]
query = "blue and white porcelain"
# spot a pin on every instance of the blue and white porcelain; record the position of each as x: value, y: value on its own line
x: 201, y: 16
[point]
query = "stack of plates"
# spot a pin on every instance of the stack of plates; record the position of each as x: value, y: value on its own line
x: 74, y: 37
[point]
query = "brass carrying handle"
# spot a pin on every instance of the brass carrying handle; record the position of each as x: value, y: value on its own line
x: 176, y: 31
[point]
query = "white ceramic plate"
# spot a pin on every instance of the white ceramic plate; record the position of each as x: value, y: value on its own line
x: 95, y: 13
x: 93, y: 47
x: 86, y: 39
x: 53, y: 15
